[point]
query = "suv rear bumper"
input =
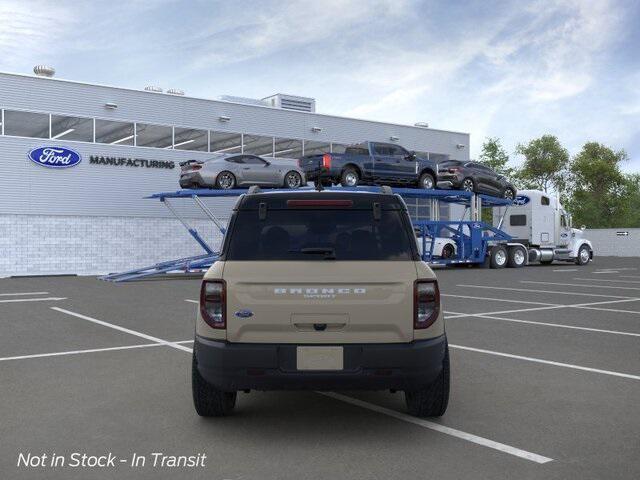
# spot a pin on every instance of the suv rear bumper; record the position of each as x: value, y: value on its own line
x: 242, y: 366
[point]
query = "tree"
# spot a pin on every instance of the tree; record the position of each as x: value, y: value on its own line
x: 494, y: 156
x: 545, y: 164
x: 600, y: 194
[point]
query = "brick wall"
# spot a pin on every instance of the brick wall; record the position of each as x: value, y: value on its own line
x: 44, y: 245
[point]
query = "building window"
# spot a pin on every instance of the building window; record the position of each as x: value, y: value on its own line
x: 26, y: 124
x: 258, y: 145
x: 287, y: 148
x: 114, y: 133
x: 316, y: 148
x: 156, y: 136
x: 190, y: 139
x: 71, y: 128
x: 223, y: 142
x: 338, y: 148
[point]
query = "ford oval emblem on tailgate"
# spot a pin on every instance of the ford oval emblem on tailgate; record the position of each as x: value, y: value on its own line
x: 244, y: 313
x: 55, y: 157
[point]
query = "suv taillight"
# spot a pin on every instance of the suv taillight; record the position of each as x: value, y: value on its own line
x: 426, y: 303
x: 453, y: 170
x: 213, y: 296
x: 326, y: 161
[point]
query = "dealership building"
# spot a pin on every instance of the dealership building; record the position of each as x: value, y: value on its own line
x: 92, y: 217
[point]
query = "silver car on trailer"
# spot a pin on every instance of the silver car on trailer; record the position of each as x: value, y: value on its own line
x: 241, y: 170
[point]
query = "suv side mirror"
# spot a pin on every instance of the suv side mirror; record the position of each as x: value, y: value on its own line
x: 411, y: 156
x: 267, y: 163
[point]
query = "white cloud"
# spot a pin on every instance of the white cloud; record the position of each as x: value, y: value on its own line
x: 29, y: 31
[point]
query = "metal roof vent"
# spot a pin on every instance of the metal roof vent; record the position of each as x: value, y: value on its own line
x: 44, y: 71
x: 175, y: 91
x: 292, y: 102
x: 153, y: 88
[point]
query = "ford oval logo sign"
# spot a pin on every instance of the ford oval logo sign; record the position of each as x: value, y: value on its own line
x: 521, y: 200
x: 55, y: 157
x: 244, y: 313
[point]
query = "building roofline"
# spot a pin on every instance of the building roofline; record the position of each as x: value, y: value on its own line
x: 230, y: 103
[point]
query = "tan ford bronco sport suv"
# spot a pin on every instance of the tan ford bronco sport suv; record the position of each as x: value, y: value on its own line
x: 320, y: 291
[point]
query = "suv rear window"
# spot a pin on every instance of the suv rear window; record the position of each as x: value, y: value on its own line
x: 307, y: 234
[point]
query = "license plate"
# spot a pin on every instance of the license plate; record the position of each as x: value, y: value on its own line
x: 320, y: 358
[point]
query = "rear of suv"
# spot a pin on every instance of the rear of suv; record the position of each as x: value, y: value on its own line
x: 320, y: 291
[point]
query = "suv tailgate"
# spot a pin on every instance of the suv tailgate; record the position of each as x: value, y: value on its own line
x: 321, y: 302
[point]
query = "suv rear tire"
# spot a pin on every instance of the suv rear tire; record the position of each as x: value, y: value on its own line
x: 208, y: 400
x: 431, y: 401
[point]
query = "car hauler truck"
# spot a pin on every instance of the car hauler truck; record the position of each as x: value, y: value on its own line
x: 538, y: 221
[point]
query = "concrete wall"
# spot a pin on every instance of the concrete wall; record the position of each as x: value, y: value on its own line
x: 608, y: 242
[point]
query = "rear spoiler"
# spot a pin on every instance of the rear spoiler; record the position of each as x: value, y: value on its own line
x: 188, y: 162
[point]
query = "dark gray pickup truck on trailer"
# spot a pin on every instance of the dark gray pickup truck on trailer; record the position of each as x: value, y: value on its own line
x: 371, y: 163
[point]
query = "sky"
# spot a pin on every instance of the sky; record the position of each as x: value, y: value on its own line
x: 514, y: 70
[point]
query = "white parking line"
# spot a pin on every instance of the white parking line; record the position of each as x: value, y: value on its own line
x: 565, y: 270
x: 606, y: 280
x: 616, y: 287
x: 191, y: 301
x: 525, y: 302
x: 544, y: 324
x: 552, y: 306
x: 90, y: 350
x: 548, y: 362
x: 45, y: 299
x: 556, y: 292
x: 123, y: 329
x: 469, y: 437
x: 23, y: 293
x: 629, y: 276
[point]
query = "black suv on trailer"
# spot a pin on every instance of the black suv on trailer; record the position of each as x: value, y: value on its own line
x: 474, y: 177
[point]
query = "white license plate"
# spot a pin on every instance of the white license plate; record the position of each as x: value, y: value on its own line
x: 320, y: 358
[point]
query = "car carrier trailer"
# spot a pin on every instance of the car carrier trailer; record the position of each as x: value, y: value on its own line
x: 472, y: 241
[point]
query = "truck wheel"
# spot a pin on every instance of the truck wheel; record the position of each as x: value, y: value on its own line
x: 584, y: 255
x: 431, y: 401
x: 517, y: 257
x: 208, y: 400
x: 426, y: 181
x: 349, y: 178
x: 498, y: 257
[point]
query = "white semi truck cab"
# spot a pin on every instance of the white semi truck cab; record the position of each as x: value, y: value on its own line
x: 538, y: 221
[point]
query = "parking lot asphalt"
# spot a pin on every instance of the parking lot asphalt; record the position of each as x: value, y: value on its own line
x: 545, y: 367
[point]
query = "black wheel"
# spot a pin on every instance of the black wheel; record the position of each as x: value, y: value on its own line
x: 431, y: 401
x: 349, y: 177
x: 509, y: 194
x: 426, y: 182
x: 448, y: 251
x: 584, y: 255
x: 468, y: 185
x: 292, y: 180
x: 208, y: 400
x: 517, y: 257
x: 226, y: 180
x: 498, y: 257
